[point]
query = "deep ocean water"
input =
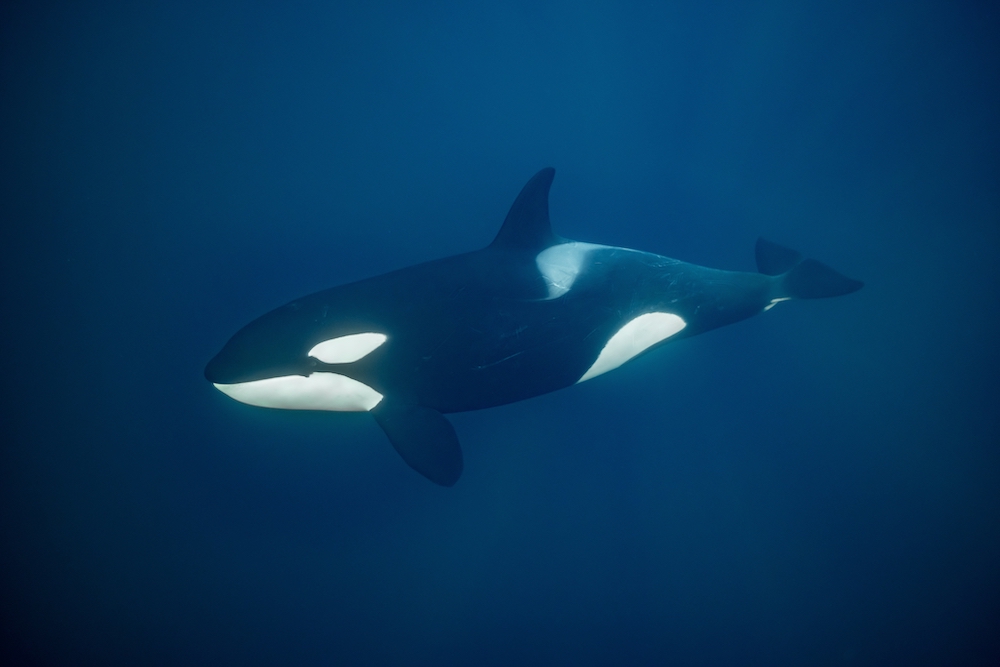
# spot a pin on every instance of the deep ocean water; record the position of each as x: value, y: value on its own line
x: 815, y: 486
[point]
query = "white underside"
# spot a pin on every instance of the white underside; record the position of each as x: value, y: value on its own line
x: 635, y: 337
x: 319, y: 391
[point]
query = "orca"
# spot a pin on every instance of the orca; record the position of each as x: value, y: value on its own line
x: 529, y: 314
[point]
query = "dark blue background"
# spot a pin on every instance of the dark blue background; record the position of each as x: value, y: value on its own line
x: 815, y: 486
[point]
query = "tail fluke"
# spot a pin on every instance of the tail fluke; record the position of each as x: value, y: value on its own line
x: 801, y: 278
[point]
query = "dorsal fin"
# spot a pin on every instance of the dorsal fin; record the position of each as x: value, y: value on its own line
x: 527, y: 224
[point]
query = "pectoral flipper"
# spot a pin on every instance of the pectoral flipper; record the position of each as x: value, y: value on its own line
x: 424, y: 438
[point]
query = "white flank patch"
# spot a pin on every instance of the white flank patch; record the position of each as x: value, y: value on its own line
x: 774, y: 301
x: 638, y: 335
x: 347, y: 349
x: 561, y: 264
x: 319, y: 391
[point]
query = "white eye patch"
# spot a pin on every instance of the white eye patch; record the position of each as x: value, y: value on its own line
x: 638, y: 335
x: 347, y: 349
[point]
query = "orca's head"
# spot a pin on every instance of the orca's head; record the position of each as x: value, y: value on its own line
x: 285, y: 360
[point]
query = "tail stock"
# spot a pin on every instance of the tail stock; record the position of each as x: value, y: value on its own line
x: 800, y: 278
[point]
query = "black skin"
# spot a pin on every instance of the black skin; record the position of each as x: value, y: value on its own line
x: 482, y: 329
x: 477, y: 330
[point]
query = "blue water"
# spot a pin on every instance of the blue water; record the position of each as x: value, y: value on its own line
x: 816, y: 486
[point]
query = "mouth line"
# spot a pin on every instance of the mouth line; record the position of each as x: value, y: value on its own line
x: 216, y: 372
x: 329, y: 355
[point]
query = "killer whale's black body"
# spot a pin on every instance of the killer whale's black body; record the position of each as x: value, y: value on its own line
x: 527, y: 315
